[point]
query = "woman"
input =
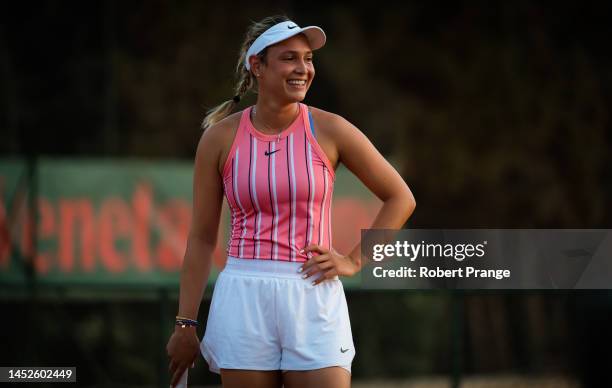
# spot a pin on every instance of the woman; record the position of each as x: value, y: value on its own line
x: 278, y: 313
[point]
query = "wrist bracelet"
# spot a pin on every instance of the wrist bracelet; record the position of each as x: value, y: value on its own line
x: 189, y: 319
x: 184, y: 322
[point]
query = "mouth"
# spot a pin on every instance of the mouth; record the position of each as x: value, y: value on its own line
x: 297, y: 83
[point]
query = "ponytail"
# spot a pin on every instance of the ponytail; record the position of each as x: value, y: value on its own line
x: 246, y: 80
x: 223, y: 110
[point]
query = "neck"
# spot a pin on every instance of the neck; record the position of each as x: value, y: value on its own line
x: 273, y: 118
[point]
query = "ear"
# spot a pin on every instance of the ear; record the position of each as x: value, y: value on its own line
x: 255, y: 63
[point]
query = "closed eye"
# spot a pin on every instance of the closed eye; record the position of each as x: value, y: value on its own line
x: 292, y: 58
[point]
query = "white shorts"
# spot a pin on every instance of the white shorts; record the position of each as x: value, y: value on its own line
x: 264, y: 316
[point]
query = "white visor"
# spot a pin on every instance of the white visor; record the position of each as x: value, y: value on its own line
x: 282, y: 31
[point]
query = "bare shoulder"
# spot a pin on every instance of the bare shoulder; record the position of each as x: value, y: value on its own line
x: 219, y: 132
x: 336, y: 133
x: 217, y: 139
x: 333, y: 125
x: 330, y: 123
x: 326, y: 126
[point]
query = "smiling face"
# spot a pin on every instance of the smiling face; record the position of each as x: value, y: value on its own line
x: 288, y: 71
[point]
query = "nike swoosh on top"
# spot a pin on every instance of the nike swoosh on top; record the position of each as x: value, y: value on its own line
x: 291, y: 27
x: 270, y: 153
x: 343, y: 350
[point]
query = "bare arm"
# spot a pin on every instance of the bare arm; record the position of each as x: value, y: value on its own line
x: 183, y: 345
x: 207, y: 201
x: 361, y: 157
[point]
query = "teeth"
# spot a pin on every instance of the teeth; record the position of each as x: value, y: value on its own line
x: 297, y: 82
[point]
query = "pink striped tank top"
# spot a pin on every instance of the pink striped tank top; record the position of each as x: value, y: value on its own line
x: 279, y: 190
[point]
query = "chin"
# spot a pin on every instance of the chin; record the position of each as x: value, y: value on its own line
x: 296, y: 96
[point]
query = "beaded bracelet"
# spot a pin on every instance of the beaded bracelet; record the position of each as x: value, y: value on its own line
x: 184, y: 322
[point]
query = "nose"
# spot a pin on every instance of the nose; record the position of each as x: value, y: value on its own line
x: 300, y: 68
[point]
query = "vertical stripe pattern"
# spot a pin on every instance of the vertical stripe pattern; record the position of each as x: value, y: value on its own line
x: 311, y: 190
x: 280, y: 194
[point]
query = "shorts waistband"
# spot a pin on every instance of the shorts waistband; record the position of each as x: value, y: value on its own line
x: 274, y: 268
x: 265, y: 268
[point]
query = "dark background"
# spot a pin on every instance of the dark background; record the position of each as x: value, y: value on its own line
x: 496, y: 114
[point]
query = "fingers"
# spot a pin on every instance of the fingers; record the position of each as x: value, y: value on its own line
x: 176, y: 369
x: 326, y: 275
x: 313, y: 264
x: 321, y: 272
x: 177, y: 375
x: 181, y: 358
x: 324, y: 264
x: 317, y: 266
x: 172, y: 367
x: 314, y: 248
